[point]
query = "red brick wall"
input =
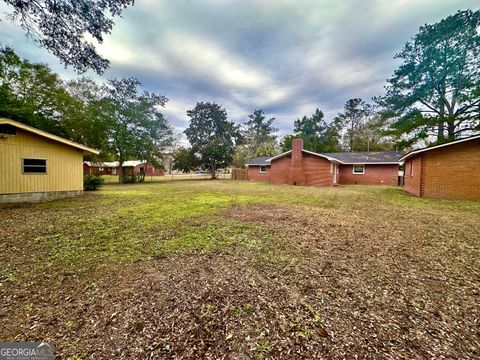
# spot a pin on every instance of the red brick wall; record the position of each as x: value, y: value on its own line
x: 316, y: 170
x: 297, y: 174
x: 280, y: 170
x: 413, y: 175
x: 96, y: 170
x: 453, y: 172
x: 154, y: 171
x: 374, y: 175
x: 253, y: 173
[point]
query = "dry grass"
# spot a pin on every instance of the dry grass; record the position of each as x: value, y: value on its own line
x: 223, y: 269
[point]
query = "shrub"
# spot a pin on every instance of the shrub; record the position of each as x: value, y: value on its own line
x: 92, y: 182
x: 130, y: 178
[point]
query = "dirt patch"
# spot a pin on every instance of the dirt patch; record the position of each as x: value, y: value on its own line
x: 364, y: 283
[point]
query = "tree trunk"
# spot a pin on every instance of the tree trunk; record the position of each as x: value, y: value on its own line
x: 441, y: 120
x: 451, y: 128
x: 120, y: 171
x: 141, y: 176
x: 213, y: 171
x: 441, y: 130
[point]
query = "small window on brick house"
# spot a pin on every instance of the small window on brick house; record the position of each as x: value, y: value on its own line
x: 263, y: 169
x: 359, y: 169
x: 411, y: 168
x: 34, y: 166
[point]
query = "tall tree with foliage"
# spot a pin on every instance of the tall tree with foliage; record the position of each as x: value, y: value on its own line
x: 63, y: 27
x: 355, y: 114
x: 371, y: 135
x: 435, y: 93
x: 258, y: 132
x: 184, y: 159
x: 211, y: 135
x: 82, y: 117
x: 316, y: 134
x: 33, y: 94
x: 136, y: 129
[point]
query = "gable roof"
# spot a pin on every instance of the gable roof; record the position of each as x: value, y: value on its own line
x: 303, y: 150
x: 348, y: 158
x: 86, y: 150
x: 101, y: 164
x: 132, y: 163
x: 418, y: 151
x: 114, y: 164
x: 366, y: 157
x: 259, y: 161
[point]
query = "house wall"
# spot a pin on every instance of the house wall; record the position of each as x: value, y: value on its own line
x: 154, y: 171
x: 280, y: 170
x: 253, y: 173
x: 96, y: 170
x: 374, y: 175
x: 317, y: 170
x: 413, y: 175
x: 64, y: 165
x: 452, y: 172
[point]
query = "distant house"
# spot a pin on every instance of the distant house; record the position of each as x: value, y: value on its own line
x: 36, y: 165
x: 100, y: 168
x: 302, y: 167
x: 129, y: 167
x: 448, y: 171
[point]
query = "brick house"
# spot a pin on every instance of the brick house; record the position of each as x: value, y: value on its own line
x: 100, y: 168
x: 129, y: 167
x: 448, y: 171
x: 302, y: 167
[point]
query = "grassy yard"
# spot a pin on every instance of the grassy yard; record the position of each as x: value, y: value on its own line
x: 174, y: 177
x: 225, y: 269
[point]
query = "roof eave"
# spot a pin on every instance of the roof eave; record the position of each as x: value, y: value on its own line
x: 373, y: 163
x: 419, y: 151
x: 279, y: 156
x: 85, y: 149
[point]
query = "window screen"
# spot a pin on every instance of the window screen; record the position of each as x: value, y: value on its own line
x: 34, y: 166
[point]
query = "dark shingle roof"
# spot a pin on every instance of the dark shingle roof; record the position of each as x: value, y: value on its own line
x: 259, y: 160
x: 365, y: 157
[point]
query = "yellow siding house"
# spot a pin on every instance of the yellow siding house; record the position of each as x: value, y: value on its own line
x: 36, y: 165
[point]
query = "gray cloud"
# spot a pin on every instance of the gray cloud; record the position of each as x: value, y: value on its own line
x: 287, y: 57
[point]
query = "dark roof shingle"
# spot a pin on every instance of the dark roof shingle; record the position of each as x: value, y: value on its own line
x: 365, y: 157
x: 259, y: 160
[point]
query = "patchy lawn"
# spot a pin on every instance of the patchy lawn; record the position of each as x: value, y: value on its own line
x: 224, y: 269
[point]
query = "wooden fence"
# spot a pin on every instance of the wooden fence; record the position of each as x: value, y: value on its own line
x: 239, y: 174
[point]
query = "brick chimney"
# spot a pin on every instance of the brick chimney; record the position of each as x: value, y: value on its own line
x: 296, y: 176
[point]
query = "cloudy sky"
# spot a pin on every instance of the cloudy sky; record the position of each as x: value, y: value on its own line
x: 284, y: 56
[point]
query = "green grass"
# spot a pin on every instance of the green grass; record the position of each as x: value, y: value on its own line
x: 109, y: 179
x: 136, y: 222
x: 255, y: 261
